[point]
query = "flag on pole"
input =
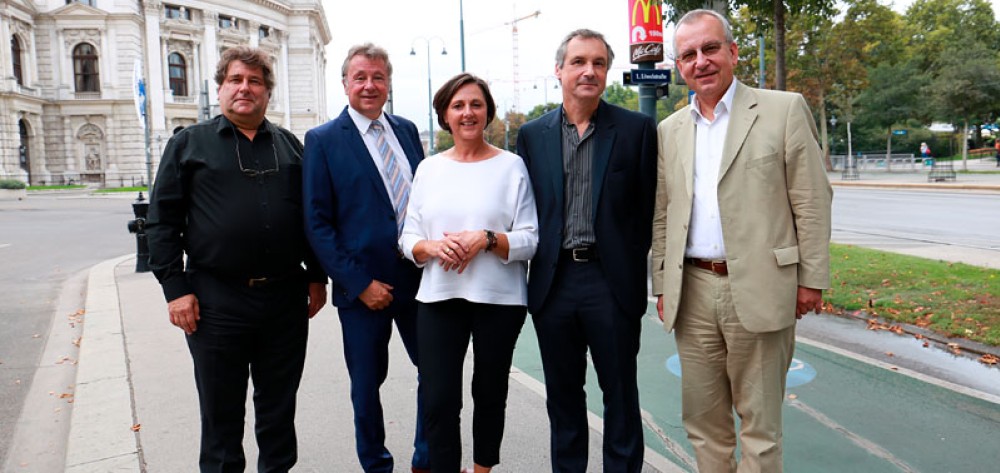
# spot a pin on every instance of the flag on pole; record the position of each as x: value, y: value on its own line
x: 139, y: 92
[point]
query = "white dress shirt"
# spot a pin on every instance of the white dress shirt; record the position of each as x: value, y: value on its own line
x: 705, y: 235
x: 364, y: 124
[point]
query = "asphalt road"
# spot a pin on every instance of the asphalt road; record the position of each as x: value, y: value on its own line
x: 45, y: 241
x: 956, y: 226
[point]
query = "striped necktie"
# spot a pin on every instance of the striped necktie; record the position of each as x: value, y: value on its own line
x: 399, y: 187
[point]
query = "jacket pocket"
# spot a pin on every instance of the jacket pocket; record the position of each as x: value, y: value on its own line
x: 763, y: 160
x: 786, y: 256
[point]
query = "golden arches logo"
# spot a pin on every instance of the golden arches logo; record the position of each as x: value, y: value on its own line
x: 648, y: 7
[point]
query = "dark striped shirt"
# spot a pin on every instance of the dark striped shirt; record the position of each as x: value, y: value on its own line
x: 578, y: 211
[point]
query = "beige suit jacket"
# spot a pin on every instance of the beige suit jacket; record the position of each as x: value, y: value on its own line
x: 774, y: 204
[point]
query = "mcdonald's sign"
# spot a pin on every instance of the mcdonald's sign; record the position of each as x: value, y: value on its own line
x: 645, y: 31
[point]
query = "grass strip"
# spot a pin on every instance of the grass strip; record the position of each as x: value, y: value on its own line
x: 113, y: 190
x: 953, y: 299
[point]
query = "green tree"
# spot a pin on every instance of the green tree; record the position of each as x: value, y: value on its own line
x: 966, y: 89
x: 540, y: 110
x: 768, y: 15
x: 891, y: 97
x: 622, y: 96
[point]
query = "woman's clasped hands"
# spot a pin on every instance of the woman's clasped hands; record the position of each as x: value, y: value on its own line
x: 457, y: 249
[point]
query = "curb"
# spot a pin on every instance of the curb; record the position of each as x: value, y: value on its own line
x: 913, y: 185
x: 100, y: 435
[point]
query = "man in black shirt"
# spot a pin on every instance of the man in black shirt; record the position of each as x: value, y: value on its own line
x: 228, y: 194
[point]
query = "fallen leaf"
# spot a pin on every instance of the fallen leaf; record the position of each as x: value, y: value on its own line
x: 80, y: 312
x: 989, y: 359
x: 894, y: 368
x: 889, y: 353
x: 136, y: 427
x: 793, y: 396
x: 927, y: 344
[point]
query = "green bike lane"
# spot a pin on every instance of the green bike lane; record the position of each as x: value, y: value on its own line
x: 840, y: 414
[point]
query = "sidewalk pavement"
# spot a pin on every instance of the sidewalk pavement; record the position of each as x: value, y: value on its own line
x: 136, y: 406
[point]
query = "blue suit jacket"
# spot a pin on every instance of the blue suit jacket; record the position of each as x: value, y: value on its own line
x: 349, y: 219
x: 624, y: 187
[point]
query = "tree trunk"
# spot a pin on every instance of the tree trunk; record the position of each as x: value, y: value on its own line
x: 824, y: 137
x: 779, y: 45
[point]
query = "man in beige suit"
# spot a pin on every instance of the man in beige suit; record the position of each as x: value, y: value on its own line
x: 741, y: 236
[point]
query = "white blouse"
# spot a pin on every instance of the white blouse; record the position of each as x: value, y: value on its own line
x: 492, y: 194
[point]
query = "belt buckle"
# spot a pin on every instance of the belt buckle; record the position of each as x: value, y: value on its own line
x: 718, y: 267
x: 579, y: 259
x: 257, y: 282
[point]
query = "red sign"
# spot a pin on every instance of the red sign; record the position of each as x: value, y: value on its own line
x: 645, y: 31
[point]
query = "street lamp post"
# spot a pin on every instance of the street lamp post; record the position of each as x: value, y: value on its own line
x: 430, y: 107
x: 545, y: 86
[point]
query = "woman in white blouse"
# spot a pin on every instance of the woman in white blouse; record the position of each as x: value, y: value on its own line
x: 471, y: 225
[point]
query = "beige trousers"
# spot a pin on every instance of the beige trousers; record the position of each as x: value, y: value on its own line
x: 725, y: 367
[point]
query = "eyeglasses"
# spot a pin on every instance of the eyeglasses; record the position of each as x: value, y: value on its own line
x: 707, y: 50
x: 255, y: 172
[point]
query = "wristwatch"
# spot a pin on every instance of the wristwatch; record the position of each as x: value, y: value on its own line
x: 491, y: 240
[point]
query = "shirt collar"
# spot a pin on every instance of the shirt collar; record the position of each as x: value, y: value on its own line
x: 224, y: 125
x: 363, y: 122
x: 726, y: 103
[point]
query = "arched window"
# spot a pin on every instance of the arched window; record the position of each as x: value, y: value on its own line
x: 85, y: 71
x: 178, y: 75
x: 15, y: 54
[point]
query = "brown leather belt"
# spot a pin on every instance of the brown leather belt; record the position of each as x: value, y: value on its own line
x: 717, y: 267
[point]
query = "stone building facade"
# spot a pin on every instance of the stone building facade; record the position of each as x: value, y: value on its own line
x: 67, y: 68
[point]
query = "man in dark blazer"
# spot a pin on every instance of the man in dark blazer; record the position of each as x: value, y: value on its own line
x: 352, y: 223
x: 593, y: 170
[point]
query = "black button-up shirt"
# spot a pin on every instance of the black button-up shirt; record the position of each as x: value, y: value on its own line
x: 233, y: 205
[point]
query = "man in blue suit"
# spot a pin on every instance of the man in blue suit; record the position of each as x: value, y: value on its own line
x: 593, y: 170
x: 357, y: 172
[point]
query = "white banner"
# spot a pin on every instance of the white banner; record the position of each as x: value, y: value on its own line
x: 139, y: 92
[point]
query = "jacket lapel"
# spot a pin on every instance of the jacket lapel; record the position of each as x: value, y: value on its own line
x: 552, y: 157
x: 741, y: 120
x: 357, y: 148
x: 406, y: 141
x: 684, y: 133
x: 604, y: 137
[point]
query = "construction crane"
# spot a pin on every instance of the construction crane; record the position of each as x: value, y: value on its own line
x: 513, y: 30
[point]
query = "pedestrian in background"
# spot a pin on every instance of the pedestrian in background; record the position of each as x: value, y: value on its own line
x: 358, y: 172
x: 593, y: 171
x: 471, y: 225
x: 228, y: 196
x: 740, y: 246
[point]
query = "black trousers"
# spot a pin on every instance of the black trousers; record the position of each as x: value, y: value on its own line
x: 246, y: 332
x: 581, y: 315
x: 444, y: 329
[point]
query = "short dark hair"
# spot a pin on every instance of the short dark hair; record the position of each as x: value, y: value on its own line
x: 585, y: 34
x: 447, y: 91
x: 370, y: 51
x: 252, y: 57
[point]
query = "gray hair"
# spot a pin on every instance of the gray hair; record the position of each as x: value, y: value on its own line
x: 694, y: 15
x: 370, y: 51
x: 585, y: 34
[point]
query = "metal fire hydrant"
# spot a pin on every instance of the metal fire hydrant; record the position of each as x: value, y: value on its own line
x: 138, y: 226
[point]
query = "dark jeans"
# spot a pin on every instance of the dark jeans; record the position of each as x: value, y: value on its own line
x: 444, y: 329
x: 581, y: 315
x: 255, y: 332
